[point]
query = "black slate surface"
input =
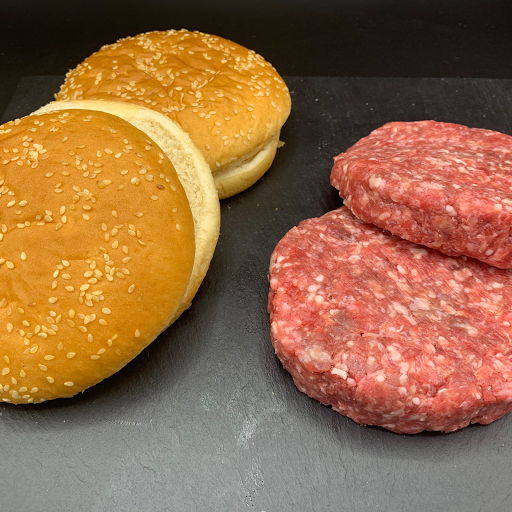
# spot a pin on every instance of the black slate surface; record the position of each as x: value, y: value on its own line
x: 206, y: 419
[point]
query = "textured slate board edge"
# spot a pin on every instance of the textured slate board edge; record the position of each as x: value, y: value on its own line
x: 206, y: 418
x: 33, y: 92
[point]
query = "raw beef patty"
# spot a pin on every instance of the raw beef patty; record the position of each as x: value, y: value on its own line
x: 390, y: 333
x: 437, y: 184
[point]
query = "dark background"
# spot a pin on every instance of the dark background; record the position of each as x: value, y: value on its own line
x: 401, y: 38
x: 206, y: 419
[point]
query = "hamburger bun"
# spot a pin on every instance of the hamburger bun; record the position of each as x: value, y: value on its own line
x: 96, y: 250
x: 192, y: 169
x: 229, y: 100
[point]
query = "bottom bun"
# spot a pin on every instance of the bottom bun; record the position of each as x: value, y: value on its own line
x: 193, y: 172
x: 241, y: 174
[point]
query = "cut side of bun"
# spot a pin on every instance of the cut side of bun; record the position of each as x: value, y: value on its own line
x: 242, y: 174
x: 96, y: 250
x: 229, y: 99
x: 193, y: 172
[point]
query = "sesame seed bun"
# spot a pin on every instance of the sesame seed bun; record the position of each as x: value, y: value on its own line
x: 96, y: 250
x: 229, y: 100
x: 193, y: 172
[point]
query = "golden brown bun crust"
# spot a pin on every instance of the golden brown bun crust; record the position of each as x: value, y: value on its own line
x: 94, y: 260
x: 191, y: 167
x: 228, y: 98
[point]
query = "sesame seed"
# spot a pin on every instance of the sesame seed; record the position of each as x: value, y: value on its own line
x: 50, y: 380
x: 137, y: 333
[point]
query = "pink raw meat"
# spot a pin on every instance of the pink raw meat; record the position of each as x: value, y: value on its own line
x: 388, y: 332
x: 442, y: 185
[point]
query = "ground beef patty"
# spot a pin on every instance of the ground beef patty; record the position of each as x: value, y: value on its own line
x: 437, y: 184
x: 390, y: 333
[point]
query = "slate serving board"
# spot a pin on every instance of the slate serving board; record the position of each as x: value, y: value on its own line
x: 206, y: 419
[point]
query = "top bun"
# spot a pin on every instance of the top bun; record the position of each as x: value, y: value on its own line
x: 96, y: 250
x: 191, y: 167
x: 229, y: 100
